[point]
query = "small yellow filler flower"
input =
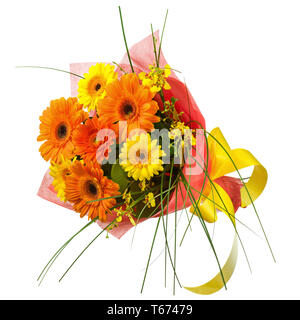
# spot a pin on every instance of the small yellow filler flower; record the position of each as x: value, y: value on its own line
x: 150, y: 200
x: 179, y: 129
x: 156, y: 78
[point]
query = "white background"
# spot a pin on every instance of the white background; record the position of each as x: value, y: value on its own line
x: 240, y: 60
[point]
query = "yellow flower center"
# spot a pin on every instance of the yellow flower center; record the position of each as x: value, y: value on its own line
x: 95, y: 86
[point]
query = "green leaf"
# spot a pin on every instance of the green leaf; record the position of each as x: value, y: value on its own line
x: 162, y: 124
x: 173, y: 100
x: 119, y: 176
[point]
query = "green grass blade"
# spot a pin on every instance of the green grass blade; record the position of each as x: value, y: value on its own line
x: 205, y: 169
x: 149, y: 257
x: 219, y: 208
x: 58, y: 252
x: 162, y: 34
x: 242, y: 180
x: 199, y: 215
x: 166, y: 229
x: 119, y: 67
x: 189, y: 220
x: 124, y: 37
x: 175, y: 237
x: 232, y: 218
x: 85, y: 250
x: 154, y: 47
x: 252, y: 202
x: 50, y: 265
x: 153, y: 240
x: 55, y: 69
x: 145, y: 206
x: 170, y: 237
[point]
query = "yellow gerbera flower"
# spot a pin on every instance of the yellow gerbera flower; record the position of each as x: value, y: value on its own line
x: 91, y: 89
x: 140, y: 157
x: 59, y: 171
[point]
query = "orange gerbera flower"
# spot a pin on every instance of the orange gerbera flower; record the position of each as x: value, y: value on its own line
x: 127, y: 100
x: 57, y: 125
x: 87, y: 183
x: 93, y: 140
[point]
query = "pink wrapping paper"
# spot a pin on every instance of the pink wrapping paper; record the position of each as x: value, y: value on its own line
x: 142, y: 55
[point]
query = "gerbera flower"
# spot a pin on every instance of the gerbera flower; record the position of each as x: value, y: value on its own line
x: 140, y: 157
x: 86, y: 142
x: 59, y: 171
x: 58, y: 123
x: 92, y: 88
x: 127, y: 100
x: 87, y: 183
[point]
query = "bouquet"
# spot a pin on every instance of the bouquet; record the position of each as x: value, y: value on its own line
x: 130, y: 144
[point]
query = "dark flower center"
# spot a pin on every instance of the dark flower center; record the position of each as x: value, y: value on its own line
x: 98, y: 87
x: 91, y: 188
x: 62, y: 131
x: 128, y: 109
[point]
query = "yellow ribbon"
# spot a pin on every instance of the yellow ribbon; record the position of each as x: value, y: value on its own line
x: 217, y: 282
x: 224, y: 160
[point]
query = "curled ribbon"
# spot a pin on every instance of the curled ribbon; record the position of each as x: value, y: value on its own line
x: 224, y: 160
